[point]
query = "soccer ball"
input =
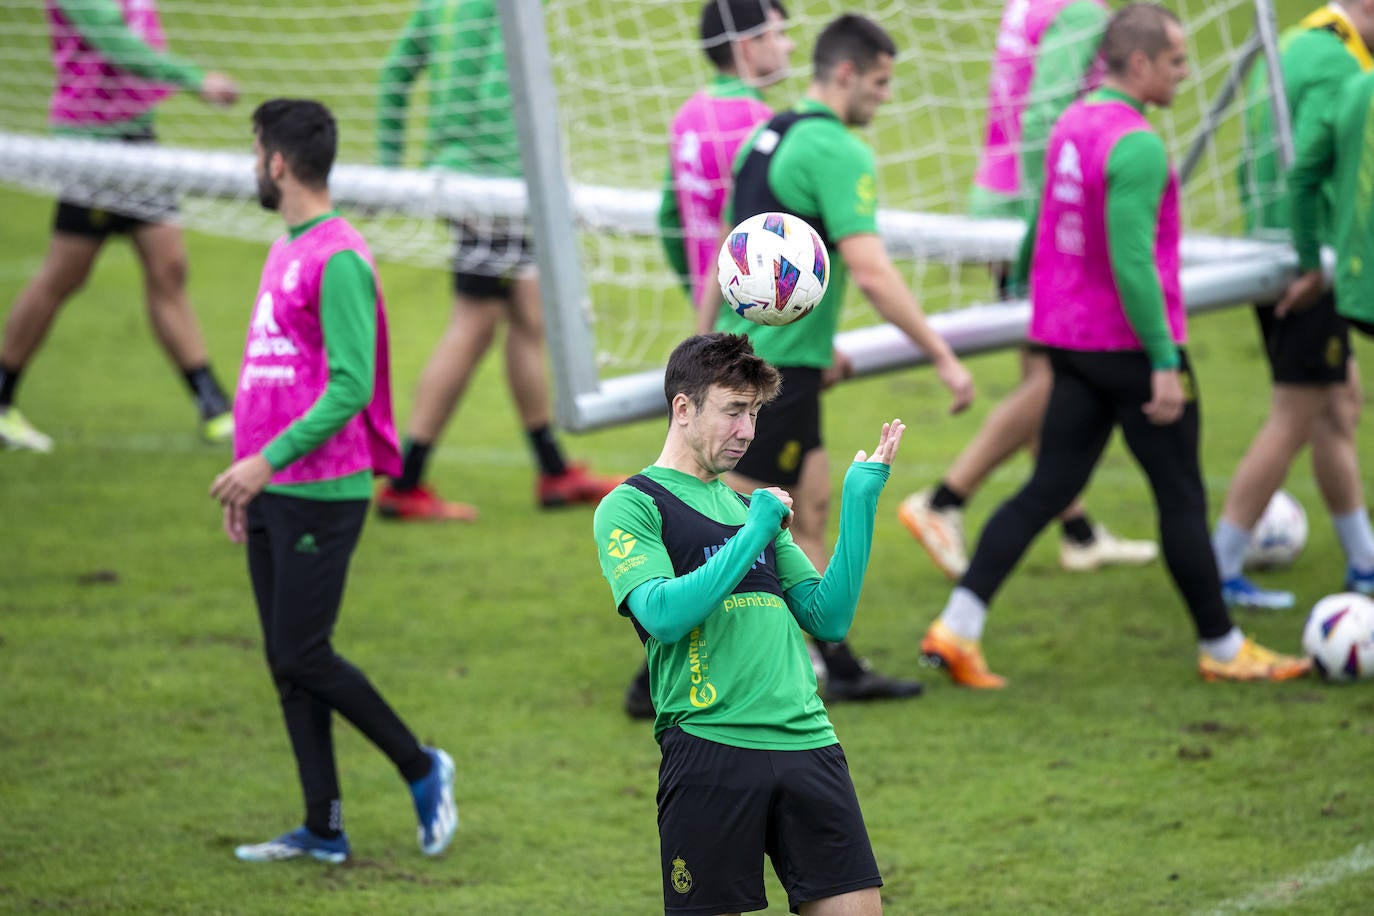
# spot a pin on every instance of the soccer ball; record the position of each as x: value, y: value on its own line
x: 773, y: 268
x: 1280, y: 534
x: 1339, y: 636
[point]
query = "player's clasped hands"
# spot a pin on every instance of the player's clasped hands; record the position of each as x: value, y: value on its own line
x: 888, y: 440
x: 783, y: 497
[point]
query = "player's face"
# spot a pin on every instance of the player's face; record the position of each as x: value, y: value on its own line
x: 1169, y: 68
x: 767, y: 56
x: 269, y: 192
x: 870, y: 89
x: 721, y: 431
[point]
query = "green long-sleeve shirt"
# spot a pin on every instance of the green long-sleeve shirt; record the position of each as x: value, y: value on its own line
x: 1338, y: 152
x: 1315, y: 64
x: 348, y: 322
x: 1066, y: 52
x: 471, y: 125
x: 1137, y: 172
x: 100, y: 23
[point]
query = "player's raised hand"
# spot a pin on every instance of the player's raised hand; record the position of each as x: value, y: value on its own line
x: 219, y: 89
x: 888, y: 440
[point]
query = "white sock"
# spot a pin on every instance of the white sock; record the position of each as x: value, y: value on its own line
x: 1223, y: 648
x: 1228, y: 543
x: 1357, y: 540
x: 965, y: 614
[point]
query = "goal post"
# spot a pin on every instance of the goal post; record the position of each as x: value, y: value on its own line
x: 595, y: 84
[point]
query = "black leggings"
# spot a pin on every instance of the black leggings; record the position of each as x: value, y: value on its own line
x: 1093, y: 393
x: 298, y: 554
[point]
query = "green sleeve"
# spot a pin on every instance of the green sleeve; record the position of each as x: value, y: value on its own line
x: 348, y: 320
x: 846, y: 191
x: 1067, y: 51
x: 1312, y: 166
x: 403, y: 63
x: 101, y: 25
x: 670, y: 233
x: 1137, y: 171
x: 1019, y: 280
x: 825, y: 606
x: 669, y: 609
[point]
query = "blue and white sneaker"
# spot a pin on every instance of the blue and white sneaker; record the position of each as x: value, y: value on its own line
x: 434, y: 804
x: 293, y: 845
x: 1357, y: 581
x: 1241, y: 592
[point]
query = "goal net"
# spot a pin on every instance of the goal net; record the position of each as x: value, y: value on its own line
x: 620, y: 69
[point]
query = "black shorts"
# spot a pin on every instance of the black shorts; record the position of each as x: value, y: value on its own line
x: 721, y: 809
x: 788, y: 428
x: 487, y: 260
x: 1364, y: 327
x: 73, y: 217
x: 1310, y: 347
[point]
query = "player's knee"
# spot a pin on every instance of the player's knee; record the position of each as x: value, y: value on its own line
x: 167, y: 276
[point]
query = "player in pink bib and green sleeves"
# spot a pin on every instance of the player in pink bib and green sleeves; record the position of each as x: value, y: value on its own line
x: 1106, y: 303
x: 112, y: 68
x: 313, y: 425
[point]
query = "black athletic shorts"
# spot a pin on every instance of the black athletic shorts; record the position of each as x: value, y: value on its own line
x: 1364, y: 327
x: 721, y: 809
x: 487, y: 260
x: 788, y: 427
x: 75, y: 218
x: 1310, y: 347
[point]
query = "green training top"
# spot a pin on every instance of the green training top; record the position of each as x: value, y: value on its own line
x: 348, y: 322
x: 1338, y: 152
x: 820, y: 169
x: 101, y: 25
x: 1066, y: 52
x: 1315, y: 64
x: 1137, y: 172
x: 471, y: 125
x: 734, y: 668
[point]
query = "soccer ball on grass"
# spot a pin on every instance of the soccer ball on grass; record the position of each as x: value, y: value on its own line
x: 773, y: 268
x: 1280, y: 534
x: 1339, y: 635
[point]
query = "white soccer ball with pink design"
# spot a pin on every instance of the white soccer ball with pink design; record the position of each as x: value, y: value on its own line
x: 773, y: 268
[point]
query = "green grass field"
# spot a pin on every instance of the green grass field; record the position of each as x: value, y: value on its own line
x: 140, y: 739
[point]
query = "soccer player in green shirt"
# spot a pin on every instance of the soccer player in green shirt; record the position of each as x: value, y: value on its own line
x: 471, y: 129
x: 1316, y: 390
x: 1339, y: 151
x: 113, y: 68
x: 720, y: 595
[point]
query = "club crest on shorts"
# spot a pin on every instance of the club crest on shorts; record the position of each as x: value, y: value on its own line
x: 680, y: 876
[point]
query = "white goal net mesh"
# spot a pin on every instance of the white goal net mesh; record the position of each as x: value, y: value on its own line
x: 621, y: 69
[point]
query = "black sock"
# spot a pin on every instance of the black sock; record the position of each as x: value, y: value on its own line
x: 413, y: 462
x: 325, y: 819
x: 546, y: 451
x: 9, y: 380
x: 1078, y: 529
x: 839, y: 660
x: 417, y: 767
x: 210, y: 398
x: 945, y: 498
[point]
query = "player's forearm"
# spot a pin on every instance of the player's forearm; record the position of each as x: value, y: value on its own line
x: 887, y: 291
x: 1305, y: 203
x: 825, y: 607
x: 669, y: 609
x: 1137, y: 174
x: 403, y: 63
x: 100, y: 23
x: 671, y: 236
